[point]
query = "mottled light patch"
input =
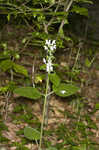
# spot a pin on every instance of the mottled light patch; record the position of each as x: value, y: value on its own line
x: 63, y: 91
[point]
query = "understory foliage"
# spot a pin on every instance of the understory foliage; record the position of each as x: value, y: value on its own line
x: 46, y: 17
x: 46, y: 20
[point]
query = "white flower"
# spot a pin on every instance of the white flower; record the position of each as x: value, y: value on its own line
x: 45, y: 47
x: 48, y: 42
x: 63, y: 91
x: 49, y: 66
x: 50, y: 45
x: 44, y: 60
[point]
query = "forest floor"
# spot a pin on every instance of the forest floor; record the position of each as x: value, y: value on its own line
x: 73, y: 121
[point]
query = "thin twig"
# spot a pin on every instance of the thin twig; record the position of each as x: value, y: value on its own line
x: 66, y: 9
x: 50, y: 21
x: 76, y: 59
x: 33, y: 72
x: 7, y: 96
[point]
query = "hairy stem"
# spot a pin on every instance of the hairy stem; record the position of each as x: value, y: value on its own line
x: 44, y: 110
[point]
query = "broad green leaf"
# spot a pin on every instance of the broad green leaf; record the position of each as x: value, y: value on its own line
x: 84, y: 1
x: 54, y: 78
x: 28, y: 92
x: 65, y: 90
x: 31, y: 133
x: 20, y: 69
x: 80, y: 10
x: 6, y: 65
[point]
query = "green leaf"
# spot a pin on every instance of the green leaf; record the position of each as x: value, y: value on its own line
x: 43, y: 67
x: 97, y: 106
x: 51, y: 148
x: 4, y: 89
x: 84, y: 1
x: 31, y: 133
x: 52, y: 1
x: 67, y: 38
x: 39, y: 78
x: 83, y: 147
x: 75, y: 148
x: 90, y: 123
x: 65, y: 90
x: 21, y: 147
x: 8, y: 17
x: 4, y: 55
x: 54, y: 78
x: 80, y: 10
x: 87, y: 63
x: 20, y: 69
x: 61, y: 33
x: 28, y: 92
x: 3, y: 127
x: 6, y: 65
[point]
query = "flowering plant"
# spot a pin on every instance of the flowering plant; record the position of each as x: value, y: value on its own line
x: 59, y: 88
x: 50, y: 47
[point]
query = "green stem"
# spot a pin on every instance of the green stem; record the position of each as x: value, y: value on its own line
x: 44, y: 108
x: 77, y: 56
